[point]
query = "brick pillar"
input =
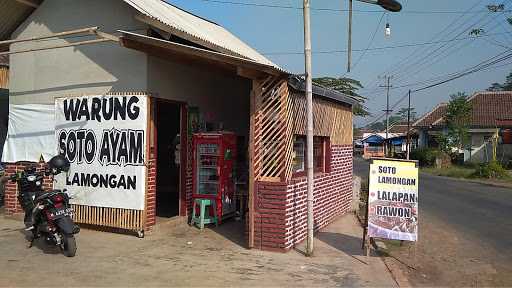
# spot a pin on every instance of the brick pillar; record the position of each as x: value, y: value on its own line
x: 12, y: 206
x: 11, y: 202
x: 270, y: 227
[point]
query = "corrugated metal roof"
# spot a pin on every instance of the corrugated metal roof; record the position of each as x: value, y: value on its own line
x: 197, y: 28
x: 12, y: 14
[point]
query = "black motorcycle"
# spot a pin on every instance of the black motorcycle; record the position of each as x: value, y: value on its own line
x: 47, y: 213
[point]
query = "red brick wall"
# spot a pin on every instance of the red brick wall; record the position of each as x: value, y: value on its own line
x: 280, y: 208
x: 12, y: 206
x: 332, y: 196
x: 271, y: 204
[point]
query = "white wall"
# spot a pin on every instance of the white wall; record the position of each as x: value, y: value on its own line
x: 39, y: 77
x: 224, y: 97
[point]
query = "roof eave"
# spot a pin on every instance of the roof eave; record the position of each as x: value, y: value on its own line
x: 130, y: 40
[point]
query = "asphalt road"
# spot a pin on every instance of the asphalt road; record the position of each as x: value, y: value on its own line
x: 465, y: 232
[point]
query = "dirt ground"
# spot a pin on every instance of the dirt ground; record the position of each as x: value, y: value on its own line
x: 184, y: 256
x: 464, y: 236
x: 443, y: 257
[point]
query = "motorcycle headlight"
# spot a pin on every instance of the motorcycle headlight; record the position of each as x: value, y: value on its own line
x: 31, y: 178
x: 38, y: 183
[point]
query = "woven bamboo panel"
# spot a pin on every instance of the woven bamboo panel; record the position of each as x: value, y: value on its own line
x: 110, y: 217
x: 4, y: 77
x: 329, y: 119
x: 271, y: 118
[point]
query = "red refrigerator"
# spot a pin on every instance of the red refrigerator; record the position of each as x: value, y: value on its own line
x: 213, y: 170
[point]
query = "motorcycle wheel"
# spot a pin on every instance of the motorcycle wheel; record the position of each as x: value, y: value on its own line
x: 68, y: 245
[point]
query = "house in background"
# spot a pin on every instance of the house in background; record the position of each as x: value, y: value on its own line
x: 375, y: 143
x: 491, y: 118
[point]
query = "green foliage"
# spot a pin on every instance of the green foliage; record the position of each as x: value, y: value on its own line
x: 360, y: 110
x: 453, y: 171
x: 495, y: 87
x: 493, y: 169
x: 426, y: 156
x: 378, y: 126
x: 496, y: 8
x: 381, y: 126
x: 458, y: 120
x: 402, y: 113
x: 444, y: 144
x: 507, y: 86
x: 348, y: 86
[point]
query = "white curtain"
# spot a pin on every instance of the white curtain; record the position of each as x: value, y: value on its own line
x: 31, y: 133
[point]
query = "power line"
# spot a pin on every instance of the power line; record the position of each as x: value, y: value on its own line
x: 508, y: 56
x: 431, y: 56
x: 274, y: 6
x: 427, y: 61
x: 482, y: 66
x: 400, y: 63
x: 369, y: 44
x: 387, y: 47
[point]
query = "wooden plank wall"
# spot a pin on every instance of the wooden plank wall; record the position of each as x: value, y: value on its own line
x: 4, y: 77
x: 329, y: 119
x: 270, y: 129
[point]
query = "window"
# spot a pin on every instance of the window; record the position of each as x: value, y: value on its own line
x: 321, y: 155
x: 299, y: 151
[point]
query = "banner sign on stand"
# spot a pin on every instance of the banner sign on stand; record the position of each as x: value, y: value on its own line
x: 104, y: 138
x: 393, y: 199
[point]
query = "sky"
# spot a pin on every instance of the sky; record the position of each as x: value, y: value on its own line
x: 277, y: 33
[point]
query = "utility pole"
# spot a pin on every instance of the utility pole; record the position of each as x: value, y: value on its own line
x: 349, y: 50
x: 408, y: 147
x: 387, y: 86
x: 309, y: 129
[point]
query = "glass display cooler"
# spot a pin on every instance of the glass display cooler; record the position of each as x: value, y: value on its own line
x: 213, y: 170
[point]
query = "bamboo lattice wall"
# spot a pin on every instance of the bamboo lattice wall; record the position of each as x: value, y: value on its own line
x: 329, y: 119
x: 4, y: 77
x: 271, y: 118
x: 110, y: 217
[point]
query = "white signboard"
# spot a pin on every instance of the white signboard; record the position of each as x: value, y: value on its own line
x: 104, y: 138
x: 393, y: 199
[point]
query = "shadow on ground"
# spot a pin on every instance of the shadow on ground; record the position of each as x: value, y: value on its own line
x: 39, y: 243
x: 347, y: 244
x: 233, y: 231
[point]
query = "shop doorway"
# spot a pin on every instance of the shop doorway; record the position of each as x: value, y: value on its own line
x: 168, y: 179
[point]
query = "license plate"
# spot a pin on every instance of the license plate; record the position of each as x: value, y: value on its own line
x: 61, y: 212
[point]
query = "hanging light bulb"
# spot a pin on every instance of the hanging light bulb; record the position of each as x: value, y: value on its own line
x: 387, y: 31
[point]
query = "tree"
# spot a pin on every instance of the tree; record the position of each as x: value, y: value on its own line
x: 507, y: 86
x: 458, y: 120
x: 377, y: 126
x: 402, y: 113
x: 495, y: 87
x: 347, y: 86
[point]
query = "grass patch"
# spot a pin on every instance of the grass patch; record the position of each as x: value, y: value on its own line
x: 453, y: 171
x: 467, y: 172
